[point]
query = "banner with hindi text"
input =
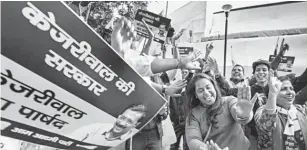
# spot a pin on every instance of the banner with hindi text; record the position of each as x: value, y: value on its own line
x: 58, y: 76
x: 159, y: 25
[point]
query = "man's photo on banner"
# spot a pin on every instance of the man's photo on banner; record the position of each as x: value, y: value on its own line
x: 107, y: 134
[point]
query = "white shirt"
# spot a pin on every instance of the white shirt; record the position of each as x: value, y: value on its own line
x: 141, y: 63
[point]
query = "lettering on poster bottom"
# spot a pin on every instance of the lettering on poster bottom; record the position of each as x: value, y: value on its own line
x: 22, y: 131
x: 41, y: 136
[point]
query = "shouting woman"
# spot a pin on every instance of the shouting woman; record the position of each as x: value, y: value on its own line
x: 217, y: 118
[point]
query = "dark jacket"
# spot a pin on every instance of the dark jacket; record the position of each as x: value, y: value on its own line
x: 301, y: 96
x: 224, y: 87
x: 299, y: 82
x: 178, y: 109
x: 257, y: 89
x: 179, y: 106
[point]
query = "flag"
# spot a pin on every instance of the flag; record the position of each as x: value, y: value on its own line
x: 233, y: 60
x: 161, y: 13
x: 276, y: 47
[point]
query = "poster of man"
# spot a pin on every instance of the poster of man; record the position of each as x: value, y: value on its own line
x: 161, y: 34
x: 108, y: 134
x: 159, y: 25
x: 80, y: 92
x: 286, y: 63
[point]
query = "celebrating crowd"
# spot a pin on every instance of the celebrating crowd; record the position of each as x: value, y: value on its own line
x: 266, y: 111
x: 205, y: 111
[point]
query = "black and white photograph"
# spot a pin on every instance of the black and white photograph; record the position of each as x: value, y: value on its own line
x: 153, y: 75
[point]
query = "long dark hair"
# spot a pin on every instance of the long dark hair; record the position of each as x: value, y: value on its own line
x: 193, y: 102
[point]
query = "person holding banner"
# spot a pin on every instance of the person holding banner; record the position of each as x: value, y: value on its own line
x: 159, y: 132
x: 106, y: 134
x: 146, y: 49
x: 150, y: 137
x: 121, y: 40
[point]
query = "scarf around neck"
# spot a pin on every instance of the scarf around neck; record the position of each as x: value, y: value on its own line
x: 292, y: 124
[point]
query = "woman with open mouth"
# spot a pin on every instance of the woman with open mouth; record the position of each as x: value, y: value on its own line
x: 214, y: 118
x: 280, y: 124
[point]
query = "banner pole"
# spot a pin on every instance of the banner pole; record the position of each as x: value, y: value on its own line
x: 166, y: 8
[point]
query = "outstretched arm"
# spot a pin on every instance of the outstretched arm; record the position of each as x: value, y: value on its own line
x: 146, y: 49
x: 193, y: 134
x: 241, y: 108
x: 170, y: 90
x: 122, y: 37
x: 160, y: 65
x: 265, y: 116
x: 172, y: 73
x: 276, y: 61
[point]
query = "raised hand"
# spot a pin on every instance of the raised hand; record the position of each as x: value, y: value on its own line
x: 187, y: 62
x: 212, y: 65
x: 274, y: 88
x: 209, y: 48
x: 177, y: 36
x: 245, y: 104
x: 283, y: 47
x: 273, y: 83
x: 122, y: 35
x: 172, y: 89
x: 181, y: 31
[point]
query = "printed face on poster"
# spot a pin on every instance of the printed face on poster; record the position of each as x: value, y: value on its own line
x: 158, y: 25
x: 62, y: 85
x: 286, y: 63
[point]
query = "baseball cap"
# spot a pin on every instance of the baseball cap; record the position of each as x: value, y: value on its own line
x: 261, y: 62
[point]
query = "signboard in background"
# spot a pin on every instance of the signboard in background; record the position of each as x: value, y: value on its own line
x: 184, y: 51
x: 62, y: 85
x: 158, y: 25
x: 286, y: 63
